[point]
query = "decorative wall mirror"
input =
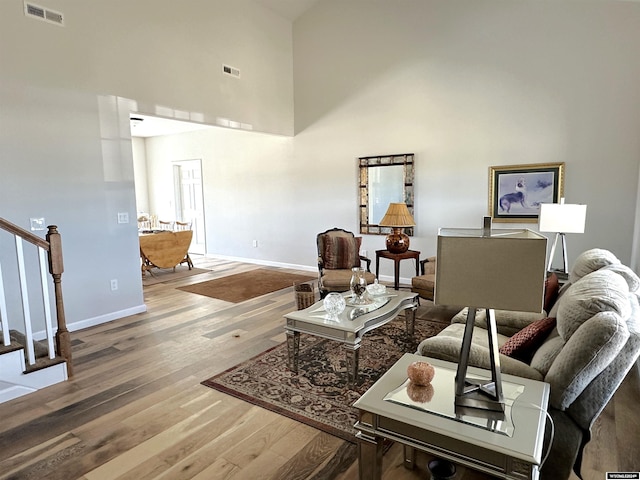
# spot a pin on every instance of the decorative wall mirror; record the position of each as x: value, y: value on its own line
x: 384, y: 179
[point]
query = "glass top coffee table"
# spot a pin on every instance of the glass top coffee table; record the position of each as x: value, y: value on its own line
x: 508, y: 446
x: 349, y: 326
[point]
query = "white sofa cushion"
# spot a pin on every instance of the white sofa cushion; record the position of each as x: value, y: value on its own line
x: 600, y: 291
x: 590, y: 261
x: 508, y: 323
x: 589, y: 350
x: 446, y: 346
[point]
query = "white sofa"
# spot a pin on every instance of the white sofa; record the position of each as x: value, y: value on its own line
x: 584, y: 357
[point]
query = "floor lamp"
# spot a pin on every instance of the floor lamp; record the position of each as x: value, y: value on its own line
x: 490, y: 269
x: 561, y: 218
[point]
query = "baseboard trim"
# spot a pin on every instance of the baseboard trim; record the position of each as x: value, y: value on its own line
x: 92, y: 322
x: 267, y: 263
x: 382, y: 278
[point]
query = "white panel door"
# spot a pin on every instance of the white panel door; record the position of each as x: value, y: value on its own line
x: 189, y: 201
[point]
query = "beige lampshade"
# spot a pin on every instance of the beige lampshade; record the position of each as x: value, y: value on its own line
x: 397, y: 216
x: 504, y: 270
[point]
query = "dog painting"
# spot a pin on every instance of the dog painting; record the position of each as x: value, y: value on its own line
x: 517, y: 191
x: 518, y: 196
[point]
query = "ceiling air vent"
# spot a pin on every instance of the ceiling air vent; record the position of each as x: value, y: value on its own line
x: 229, y: 70
x: 36, y: 11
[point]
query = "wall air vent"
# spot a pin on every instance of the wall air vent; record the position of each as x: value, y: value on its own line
x: 36, y: 11
x: 229, y: 70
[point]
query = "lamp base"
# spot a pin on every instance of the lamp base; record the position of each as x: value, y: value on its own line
x: 397, y: 241
x: 564, y: 254
x: 480, y: 393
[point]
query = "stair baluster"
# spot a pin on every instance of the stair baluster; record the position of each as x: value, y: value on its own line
x: 49, y: 252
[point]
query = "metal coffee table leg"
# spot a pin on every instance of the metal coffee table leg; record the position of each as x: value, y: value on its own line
x: 353, y: 357
x: 410, y: 320
x: 293, y: 348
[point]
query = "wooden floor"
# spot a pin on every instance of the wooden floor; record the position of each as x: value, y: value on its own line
x: 135, y: 408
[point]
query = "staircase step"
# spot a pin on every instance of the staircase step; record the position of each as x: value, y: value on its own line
x: 13, y: 370
x: 40, y: 348
x: 9, y: 391
x: 12, y: 347
x: 44, y: 363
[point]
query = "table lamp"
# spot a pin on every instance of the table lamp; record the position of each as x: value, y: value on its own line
x: 490, y: 269
x: 561, y: 218
x: 397, y: 217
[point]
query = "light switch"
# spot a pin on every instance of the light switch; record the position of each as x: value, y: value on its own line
x: 37, y: 224
x: 123, y: 217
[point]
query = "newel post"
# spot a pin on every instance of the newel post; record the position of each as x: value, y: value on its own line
x: 56, y: 267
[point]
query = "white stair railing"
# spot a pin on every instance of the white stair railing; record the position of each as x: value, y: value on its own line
x: 26, y: 308
x: 46, y: 305
x: 49, y: 254
x: 4, y: 320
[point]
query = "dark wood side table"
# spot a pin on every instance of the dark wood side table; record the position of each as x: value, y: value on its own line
x: 396, y: 257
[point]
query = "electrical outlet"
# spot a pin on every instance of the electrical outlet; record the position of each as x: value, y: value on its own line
x: 114, y: 284
x: 363, y: 253
x: 255, y: 243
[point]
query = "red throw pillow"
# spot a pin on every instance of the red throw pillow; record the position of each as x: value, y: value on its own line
x: 551, y: 288
x: 340, y: 252
x: 524, y: 344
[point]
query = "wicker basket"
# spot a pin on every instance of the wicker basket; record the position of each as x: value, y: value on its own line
x: 305, y: 294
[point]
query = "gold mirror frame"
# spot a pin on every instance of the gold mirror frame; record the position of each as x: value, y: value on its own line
x: 366, y: 164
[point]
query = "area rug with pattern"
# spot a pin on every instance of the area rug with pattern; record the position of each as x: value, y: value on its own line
x: 318, y: 395
x: 246, y: 285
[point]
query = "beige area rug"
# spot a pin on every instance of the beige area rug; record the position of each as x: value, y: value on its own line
x: 244, y: 286
x: 161, y: 275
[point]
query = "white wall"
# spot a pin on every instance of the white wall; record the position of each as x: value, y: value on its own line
x: 466, y: 85
x: 166, y: 55
x: 65, y: 98
x: 140, y: 174
x: 462, y: 84
x: 251, y: 192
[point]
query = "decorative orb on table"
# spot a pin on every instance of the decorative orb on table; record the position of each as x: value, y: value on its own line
x: 420, y: 373
x: 334, y: 304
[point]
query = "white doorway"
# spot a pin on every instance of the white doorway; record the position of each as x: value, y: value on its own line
x: 189, y: 200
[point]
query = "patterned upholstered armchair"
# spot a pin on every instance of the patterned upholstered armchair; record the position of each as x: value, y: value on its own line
x: 338, y: 253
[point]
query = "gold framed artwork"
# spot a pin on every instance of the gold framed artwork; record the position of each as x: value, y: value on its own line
x: 516, y: 191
